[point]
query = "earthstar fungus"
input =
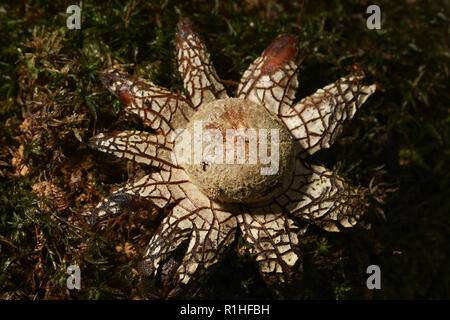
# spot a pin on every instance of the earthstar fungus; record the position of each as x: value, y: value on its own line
x: 212, y: 200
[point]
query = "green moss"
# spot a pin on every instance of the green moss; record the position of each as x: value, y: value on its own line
x: 49, y: 77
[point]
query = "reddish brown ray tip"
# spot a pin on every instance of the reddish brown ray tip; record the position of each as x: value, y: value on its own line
x: 111, y: 79
x: 124, y: 95
x: 112, y: 75
x: 185, y: 27
x: 105, y: 78
x: 283, y: 49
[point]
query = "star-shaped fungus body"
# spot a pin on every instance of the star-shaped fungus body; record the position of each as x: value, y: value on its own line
x: 228, y: 164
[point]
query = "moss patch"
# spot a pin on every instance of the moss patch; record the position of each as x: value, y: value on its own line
x: 51, y: 102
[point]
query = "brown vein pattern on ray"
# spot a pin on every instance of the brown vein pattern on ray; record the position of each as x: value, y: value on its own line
x: 195, y: 66
x: 155, y: 188
x: 139, y: 146
x: 316, y: 121
x: 159, y: 108
x: 208, y: 226
x: 274, y: 240
x: 272, y: 78
x: 320, y: 196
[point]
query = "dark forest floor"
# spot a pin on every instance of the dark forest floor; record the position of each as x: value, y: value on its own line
x: 51, y: 102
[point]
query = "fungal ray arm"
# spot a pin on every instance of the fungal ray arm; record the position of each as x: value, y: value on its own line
x: 139, y: 146
x: 317, y: 120
x: 146, y: 192
x: 209, y: 229
x: 319, y: 196
x: 195, y: 66
x: 274, y: 241
x: 159, y: 108
x: 272, y: 77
